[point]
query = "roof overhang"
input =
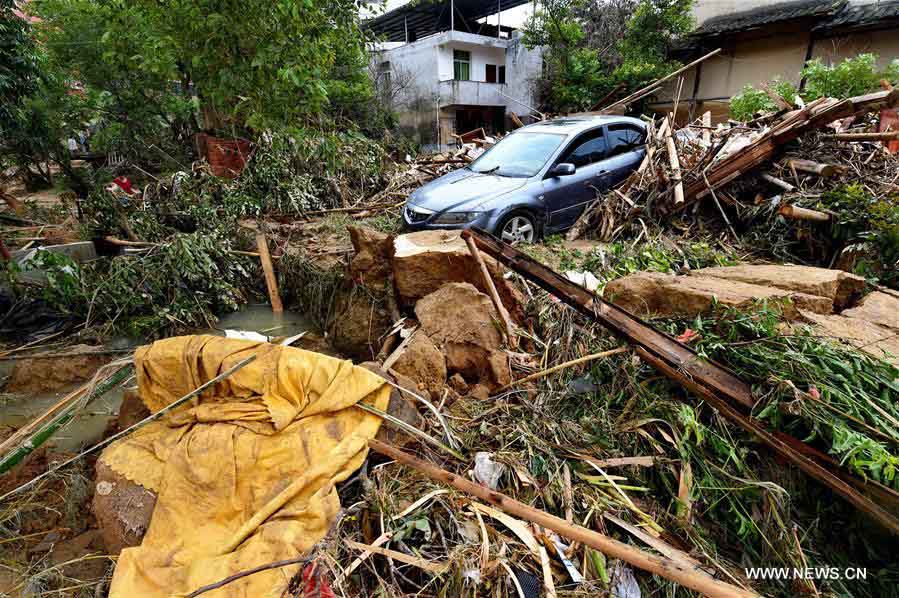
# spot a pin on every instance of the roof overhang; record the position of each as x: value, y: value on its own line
x: 426, y: 17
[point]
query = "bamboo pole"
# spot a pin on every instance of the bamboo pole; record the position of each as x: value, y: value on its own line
x: 638, y: 94
x: 812, y: 167
x: 778, y: 182
x: 675, y: 163
x: 494, y: 296
x: 797, y: 213
x: 270, y: 281
x: 884, y: 136
x: 663, y: 567
x: 707, y: 127
x: 563, y: 366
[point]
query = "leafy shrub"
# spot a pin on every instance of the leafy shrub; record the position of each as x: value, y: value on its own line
x: 751, y: 101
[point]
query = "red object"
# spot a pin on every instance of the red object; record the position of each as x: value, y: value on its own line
x: 124, y: 184
x: 688, y: 336
x: 889, y: 121
x: 314, y: 583
x: 814, y: 392
x: 227, y: 157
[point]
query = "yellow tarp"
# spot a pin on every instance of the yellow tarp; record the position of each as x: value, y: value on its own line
x: 286, y: 418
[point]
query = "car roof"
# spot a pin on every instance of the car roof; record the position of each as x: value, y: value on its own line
x: 572, y: 125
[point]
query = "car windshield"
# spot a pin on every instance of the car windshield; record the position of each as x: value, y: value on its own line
x: 518, y: 155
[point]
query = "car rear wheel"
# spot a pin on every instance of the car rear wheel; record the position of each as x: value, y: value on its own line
x: 519, y: 227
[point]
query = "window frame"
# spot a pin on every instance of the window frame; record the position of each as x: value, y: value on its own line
x: 594, y: 133
x: 624, y: 126
x: 487, y: 69
x: 501, y: 74
x: 459, y: 62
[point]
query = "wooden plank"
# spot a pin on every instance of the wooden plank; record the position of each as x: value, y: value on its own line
x: 270, y: 281
x: 620, y: 322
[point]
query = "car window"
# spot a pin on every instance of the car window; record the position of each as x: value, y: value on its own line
x: 623, y: 138
x: 518, y: 155
x: 586, y: 149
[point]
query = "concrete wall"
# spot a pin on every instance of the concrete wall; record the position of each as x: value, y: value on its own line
x: 429, y: 61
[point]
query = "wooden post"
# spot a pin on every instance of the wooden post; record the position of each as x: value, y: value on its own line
x: 812, y: 167
x: 707, y: 127
x: 885, y: 136
x: 494, y: 296
x: 664, y: 567
x: 797, y: 213
x: 675, y: 163
x: 270, y: 281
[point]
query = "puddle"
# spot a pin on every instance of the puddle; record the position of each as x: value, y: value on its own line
x: 87, y: 428
x: 261, y: 319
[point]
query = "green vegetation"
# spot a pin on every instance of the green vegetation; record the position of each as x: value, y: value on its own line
x: 851, y: 77
x: 586, y: 61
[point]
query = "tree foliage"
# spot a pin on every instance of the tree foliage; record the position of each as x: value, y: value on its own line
x: 851, y: 77
x: 592, y: 47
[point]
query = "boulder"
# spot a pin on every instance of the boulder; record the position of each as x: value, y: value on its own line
x: 879, y: 341
x: 462, y: 322
x: 838, y: 286
x: 132, y: 409
x: 122, y: 508
x: 667, y: 295
x: 459, y: 313
x: 358, y: 323
x: 878, y: 308
x: 371, y: 263
x: 423, y: 362
x: 426, y: 260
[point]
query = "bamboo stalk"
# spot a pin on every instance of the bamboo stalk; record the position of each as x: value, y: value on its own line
x: 884, y: 136
x: 812, y: 167
x: 707, y: 127
x: 563, y: 366
x: 778, y: 182
x: 270, y: 281
x: 675, y: 164
x: 494, y: 296
x: 797, y: 213
x: 663, y: 567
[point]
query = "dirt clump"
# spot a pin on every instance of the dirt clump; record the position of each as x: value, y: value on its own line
x: 122, y: 508
x: 371, y: 264
x: 423, y: 362
x: 35, y: 376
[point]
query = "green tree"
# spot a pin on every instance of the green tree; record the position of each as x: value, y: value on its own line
x: 592, y: 47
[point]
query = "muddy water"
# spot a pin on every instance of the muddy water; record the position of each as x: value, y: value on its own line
x: 88, y: 426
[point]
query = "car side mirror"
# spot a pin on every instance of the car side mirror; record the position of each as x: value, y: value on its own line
x: 562, y: 169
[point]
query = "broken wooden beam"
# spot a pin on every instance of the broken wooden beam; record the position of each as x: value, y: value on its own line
x: 812, y: 167
x: 778, y: 182
x: 872, y: 136
x: 674, y: 162
x: 620, y: 322
x: 707, y: 128
x: 689, y: 577
x: 797, y: 213
x: 494, y: 296
x: 711, y: 381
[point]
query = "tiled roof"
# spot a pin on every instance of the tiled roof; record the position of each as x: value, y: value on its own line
x: 767, y: 15
x: 862, y: 16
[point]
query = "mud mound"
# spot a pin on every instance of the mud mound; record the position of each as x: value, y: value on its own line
x: 34, y: 376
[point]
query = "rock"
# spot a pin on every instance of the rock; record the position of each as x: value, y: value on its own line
x: 462, y: 322
x: 426, y: 260
x: 878, y: 308
x: 457, y: 383
x: 650, y: 293
x: 458, y: 313
x: 838, y: 286
x: 122, y: 508
x: 423, y: 362
x: 357, y: 324
x: 874, y: 339
x: 480, y: 392
x: 401, y: 407
x: 371, y: 264
x: 132, y: 409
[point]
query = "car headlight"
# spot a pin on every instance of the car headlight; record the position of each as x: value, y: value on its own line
x: 456, y: 217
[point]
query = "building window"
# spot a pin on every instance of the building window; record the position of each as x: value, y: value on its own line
x: 384, y: 74
x: 491, y: 73
x: 502, y: 74
x: 461, y: 65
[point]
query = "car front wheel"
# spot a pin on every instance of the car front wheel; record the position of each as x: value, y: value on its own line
x: 518, y: 227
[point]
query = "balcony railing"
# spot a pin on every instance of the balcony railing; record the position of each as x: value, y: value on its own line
x: 473, y: 93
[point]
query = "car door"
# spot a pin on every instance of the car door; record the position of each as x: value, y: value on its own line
x: 566, y: 196
x: 626, y: 150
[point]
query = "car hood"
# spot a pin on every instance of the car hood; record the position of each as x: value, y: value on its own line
x: 463, y: 190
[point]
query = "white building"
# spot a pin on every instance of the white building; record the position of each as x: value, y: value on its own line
x: 450, y: 71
